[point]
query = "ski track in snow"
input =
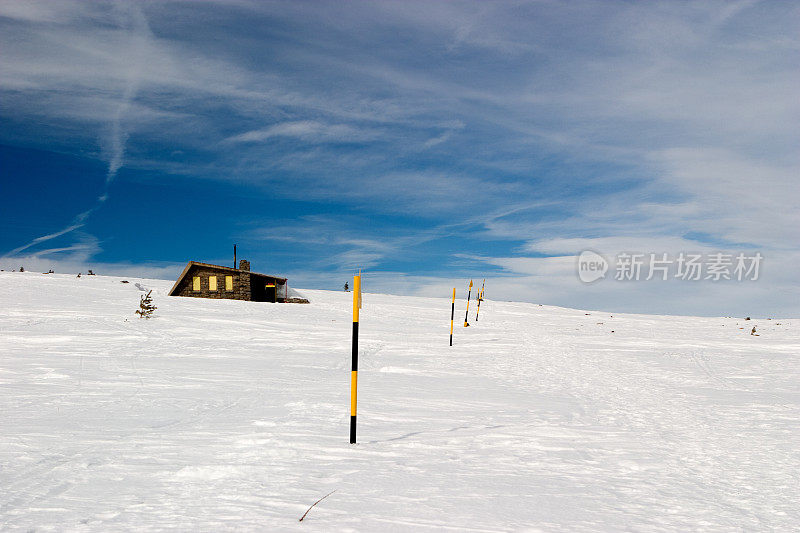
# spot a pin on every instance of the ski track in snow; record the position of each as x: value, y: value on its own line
x: 222, y: 415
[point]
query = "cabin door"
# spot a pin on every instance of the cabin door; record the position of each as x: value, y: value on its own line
x: 272, y: 295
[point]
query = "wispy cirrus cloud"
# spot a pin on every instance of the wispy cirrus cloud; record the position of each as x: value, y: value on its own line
x: 114, y: 140
x: 307, y: 130
x: 515, y: 130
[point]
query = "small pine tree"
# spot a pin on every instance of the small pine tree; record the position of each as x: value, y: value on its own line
x: 146, y: 306
x: 346, y: 287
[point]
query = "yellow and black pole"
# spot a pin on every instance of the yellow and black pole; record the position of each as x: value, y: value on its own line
x: 354, y: 368
x: 480, y: 299
x: 452, y: 315
x: 469, y: 293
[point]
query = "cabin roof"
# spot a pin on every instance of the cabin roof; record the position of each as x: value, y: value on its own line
x: 190, y: 264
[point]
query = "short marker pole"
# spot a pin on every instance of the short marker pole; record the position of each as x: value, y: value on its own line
x: 480, y: 299
x: 466, y: 324
x: 354, y: 368
x: 452, y: 315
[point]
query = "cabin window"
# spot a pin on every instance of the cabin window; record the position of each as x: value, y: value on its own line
x: 212, y: 283
x: 196, y: 283
x: 228, y: 283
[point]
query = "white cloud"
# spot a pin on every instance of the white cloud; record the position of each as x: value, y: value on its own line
x: 743, y: 199
x: 114, y: 143
x: 439, y: 139
x: 307, y: 130
x: 557, y: 127
x: 79, y: 263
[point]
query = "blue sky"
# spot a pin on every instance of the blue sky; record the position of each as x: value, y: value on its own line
x: 425, y: 142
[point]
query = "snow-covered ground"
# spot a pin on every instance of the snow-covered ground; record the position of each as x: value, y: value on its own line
x: 223, y: 415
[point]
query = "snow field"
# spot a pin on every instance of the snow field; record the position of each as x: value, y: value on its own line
x: 223, y: 415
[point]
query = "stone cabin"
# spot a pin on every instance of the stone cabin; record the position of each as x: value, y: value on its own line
x: 202, y: 280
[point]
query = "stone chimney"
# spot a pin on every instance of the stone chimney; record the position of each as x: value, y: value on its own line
x: 244, y: 264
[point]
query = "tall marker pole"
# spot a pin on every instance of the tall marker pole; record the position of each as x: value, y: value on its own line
x: 354, y: 371
x: 480, y: 299
x: 452, y: 315
x: 466, y: 324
